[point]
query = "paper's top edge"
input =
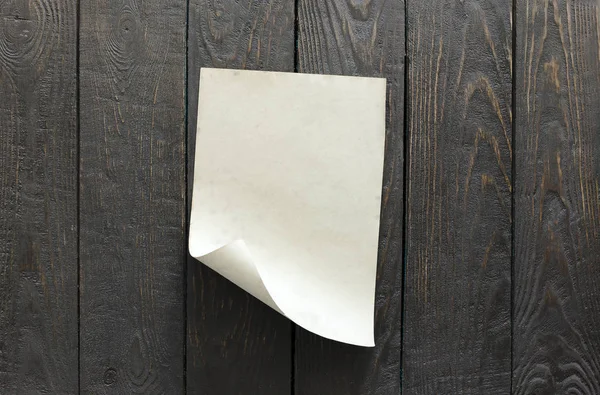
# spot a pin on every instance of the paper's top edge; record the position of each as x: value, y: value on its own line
x: 289, y: 73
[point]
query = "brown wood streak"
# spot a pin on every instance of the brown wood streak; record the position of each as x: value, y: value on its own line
x: 132, y: 213
x: 361, y: 38
x: 235, y: 344
x: 557, y: 203
x: 457, y: 299
x: 38, y: 197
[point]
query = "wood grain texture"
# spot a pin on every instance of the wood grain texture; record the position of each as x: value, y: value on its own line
x: 361, y: 38
x: 132, y: 215
x: 458, y: 265
x: 557, y: 201
x: 38, y: 197
x: 235, y: 344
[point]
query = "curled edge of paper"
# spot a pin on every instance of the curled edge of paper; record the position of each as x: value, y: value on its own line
x: 235, y: 262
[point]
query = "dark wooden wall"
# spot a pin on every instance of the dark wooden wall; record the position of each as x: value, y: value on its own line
x: 132, y: 161
x: 457, y: 335
x: 38, y: 197
x: 556, y: 303
x: 488, y: 279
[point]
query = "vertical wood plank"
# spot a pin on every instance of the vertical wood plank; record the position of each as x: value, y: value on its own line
x: 38, y: 196
x: 557, y: 201
x: 132, y: 215
x: 457, y: 327
x: 235, y: 344
x: 361, y: 38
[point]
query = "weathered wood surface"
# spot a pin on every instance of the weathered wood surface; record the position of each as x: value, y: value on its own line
x: 105, y: 191
x: 557, y: 202
x: 235, y: 344
x: 457, y: 331
x: 38, y: 197
x: 367, y: 39
x: 132, y: 206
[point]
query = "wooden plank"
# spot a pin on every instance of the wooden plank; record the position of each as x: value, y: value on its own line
x: 458, y: 268
x: 557, y: 202
x: 38, y: 197
x: 132, y: 196
x: 235, y: 344
x: 341, y: 37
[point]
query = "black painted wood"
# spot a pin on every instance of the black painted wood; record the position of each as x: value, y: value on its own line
x: 38, y: 197
x: 457, y: 328
x: 557, y: 202
x: 132, y: 213
x: 366, y: 38
x: 235, y: 344
x: 134, y: 189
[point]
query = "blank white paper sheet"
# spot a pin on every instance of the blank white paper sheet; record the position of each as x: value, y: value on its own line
x: 287, y: 193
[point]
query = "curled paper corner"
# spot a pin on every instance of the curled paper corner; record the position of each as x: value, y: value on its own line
x: 286, y: 197
x: 235, y: 262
